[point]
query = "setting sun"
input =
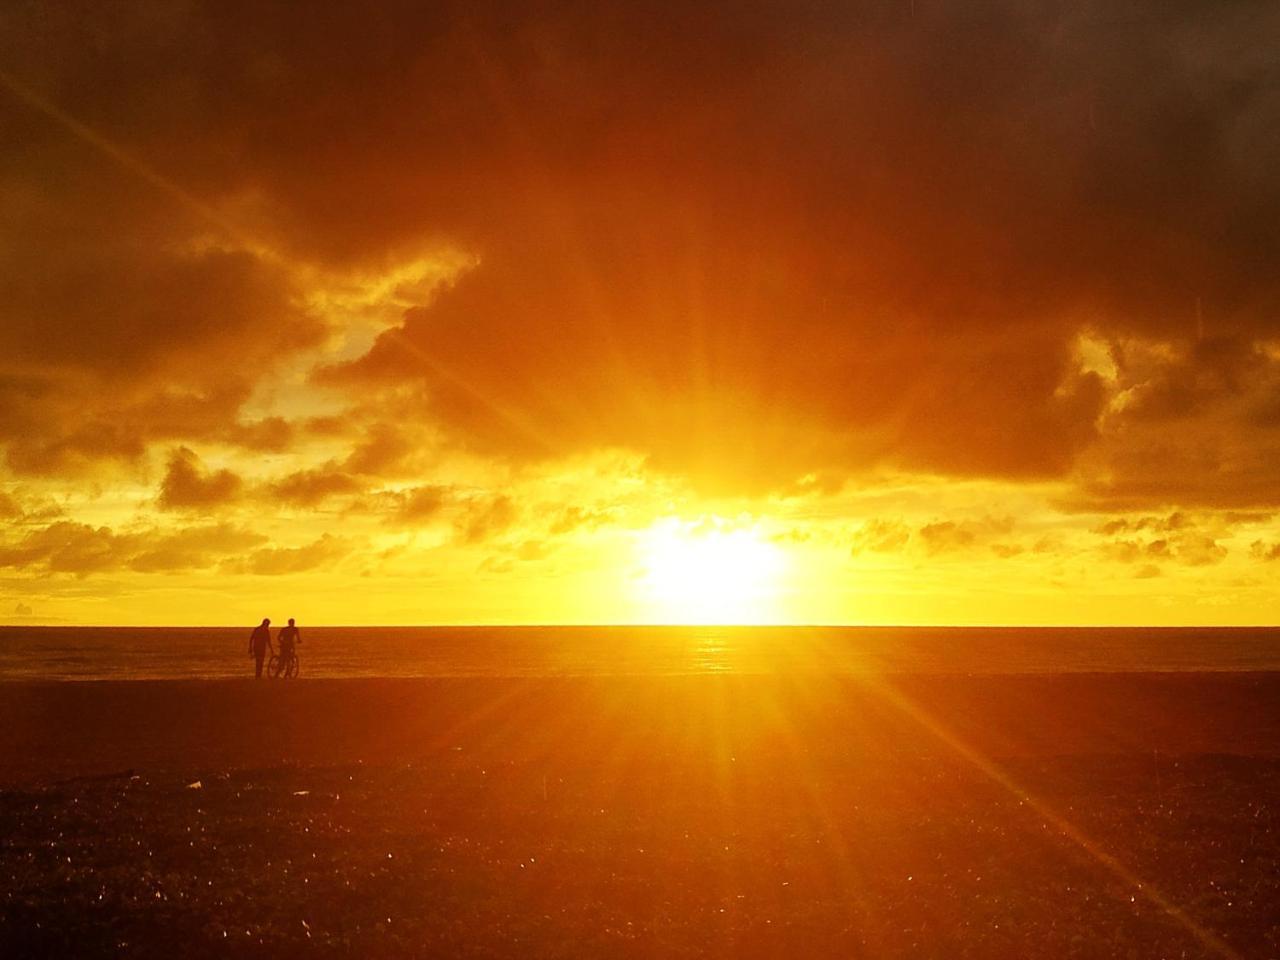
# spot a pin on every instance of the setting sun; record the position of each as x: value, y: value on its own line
x: 708, y: 572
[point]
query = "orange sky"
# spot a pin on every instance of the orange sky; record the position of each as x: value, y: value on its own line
x: 877, y: 312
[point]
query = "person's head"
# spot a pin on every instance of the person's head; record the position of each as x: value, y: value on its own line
x: 266, y: 622
x: 291, y: 621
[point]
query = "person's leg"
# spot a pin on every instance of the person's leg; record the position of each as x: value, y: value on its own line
x: 258, y: 662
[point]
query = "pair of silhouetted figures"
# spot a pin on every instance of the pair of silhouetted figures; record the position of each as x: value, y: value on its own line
x: 283, y: 662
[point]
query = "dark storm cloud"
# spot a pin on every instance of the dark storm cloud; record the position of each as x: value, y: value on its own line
x: 752, y: 242
x: 873, y: 243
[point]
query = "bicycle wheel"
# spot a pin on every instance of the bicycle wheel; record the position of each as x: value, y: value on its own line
x: 292, y: 670
x: 274, y: 666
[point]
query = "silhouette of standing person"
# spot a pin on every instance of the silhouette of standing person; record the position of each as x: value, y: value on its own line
x: 259, y: 644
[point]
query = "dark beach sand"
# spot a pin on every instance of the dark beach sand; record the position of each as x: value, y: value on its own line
x: 1001, y: 817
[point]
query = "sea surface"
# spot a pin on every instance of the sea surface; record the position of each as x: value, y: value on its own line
x: 107, y: 653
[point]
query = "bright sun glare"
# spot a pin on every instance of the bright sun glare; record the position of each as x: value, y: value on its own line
x: 707, y: 572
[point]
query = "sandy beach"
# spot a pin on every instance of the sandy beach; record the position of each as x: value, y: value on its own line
x: 1069, y: 816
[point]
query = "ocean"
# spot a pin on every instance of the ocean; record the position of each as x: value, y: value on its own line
x: 130, y: 653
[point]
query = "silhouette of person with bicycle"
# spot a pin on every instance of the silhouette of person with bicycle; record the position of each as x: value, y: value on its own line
x: 259, y: 644
x: 285, y: 664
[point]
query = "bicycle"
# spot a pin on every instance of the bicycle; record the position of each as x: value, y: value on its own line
x: 278, y: 668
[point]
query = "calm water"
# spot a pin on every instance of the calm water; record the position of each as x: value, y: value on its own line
x: 84, y: 653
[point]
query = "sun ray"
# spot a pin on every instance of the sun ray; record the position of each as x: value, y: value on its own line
x: 143, y: 171
x: 886, y: 690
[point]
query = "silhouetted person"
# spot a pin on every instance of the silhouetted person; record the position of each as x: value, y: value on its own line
x: 288, y: 638
x: 259, y: 644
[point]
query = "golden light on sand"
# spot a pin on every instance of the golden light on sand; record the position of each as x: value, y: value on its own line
x: 707, y: 571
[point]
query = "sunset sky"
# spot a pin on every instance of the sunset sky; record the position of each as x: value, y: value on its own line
x: 885, y: 312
